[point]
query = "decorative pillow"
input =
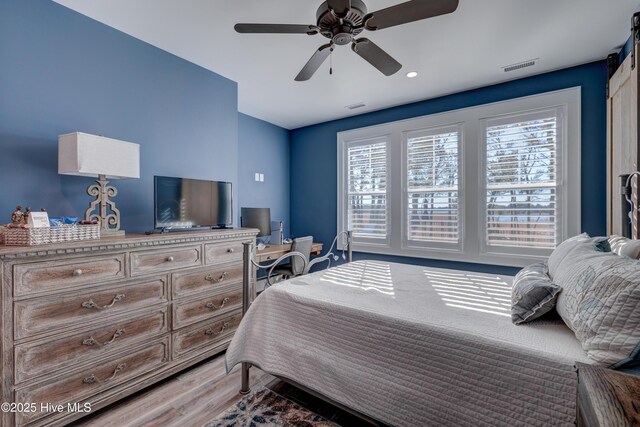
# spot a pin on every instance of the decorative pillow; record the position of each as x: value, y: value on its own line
x: 569, y: 245
x: 600, y: 302
x: 625, y: 247
x: 533, y: 294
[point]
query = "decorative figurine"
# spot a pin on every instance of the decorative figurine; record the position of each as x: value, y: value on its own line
x: 17, y: 217
x: 27, y: 212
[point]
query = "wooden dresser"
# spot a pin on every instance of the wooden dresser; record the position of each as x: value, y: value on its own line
x: 92, y: 322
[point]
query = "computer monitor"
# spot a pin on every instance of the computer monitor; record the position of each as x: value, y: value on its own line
x: 259, y: 218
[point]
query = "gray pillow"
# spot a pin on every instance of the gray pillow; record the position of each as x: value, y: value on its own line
x: 533, y: 294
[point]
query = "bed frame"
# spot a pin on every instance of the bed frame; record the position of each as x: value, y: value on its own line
x: 248, y: 269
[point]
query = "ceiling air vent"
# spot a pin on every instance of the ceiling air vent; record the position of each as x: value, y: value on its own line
x: 520, y: 65
x: 355, y: 106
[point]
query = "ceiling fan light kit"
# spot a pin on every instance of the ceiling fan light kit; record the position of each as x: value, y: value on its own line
x: 342, y: 20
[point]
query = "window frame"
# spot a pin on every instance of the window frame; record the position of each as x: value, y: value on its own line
x: 406, y: 242
x: 561, y: 189
x: 343, y: 202
x: 471, y: 184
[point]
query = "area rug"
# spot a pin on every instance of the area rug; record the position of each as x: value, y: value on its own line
x: 263, y: 407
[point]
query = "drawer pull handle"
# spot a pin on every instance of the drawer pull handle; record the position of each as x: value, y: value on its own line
x: 92, y: 341
x: 210, y: 278
x: 212, y: 306
x: 92, y: 379
x: 210, y: 331
x: 170, y: 259
x: 90, y: 304
x: 231, y: 250
x: 77, y: 272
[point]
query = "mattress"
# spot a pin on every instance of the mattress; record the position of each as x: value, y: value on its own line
x: 409, y: 345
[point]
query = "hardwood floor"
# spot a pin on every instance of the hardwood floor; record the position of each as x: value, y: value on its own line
x: 188, y: 399
x: 198, y: 395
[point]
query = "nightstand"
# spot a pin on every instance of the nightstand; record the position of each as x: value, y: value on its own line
x: 607, y: 397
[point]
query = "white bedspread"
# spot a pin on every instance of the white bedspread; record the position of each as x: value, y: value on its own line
x: 413, y: 346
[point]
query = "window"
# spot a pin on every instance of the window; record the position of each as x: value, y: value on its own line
x: 432, y: 199
x: 522, y: 181
x: 497, y: 183
x: 367, y: 190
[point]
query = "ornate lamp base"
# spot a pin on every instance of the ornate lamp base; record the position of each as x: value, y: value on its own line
x: 108, y: 216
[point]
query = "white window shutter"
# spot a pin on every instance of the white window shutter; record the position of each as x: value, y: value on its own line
x: 432, y: 196
x: 366, y: 179
x: 523, y: 181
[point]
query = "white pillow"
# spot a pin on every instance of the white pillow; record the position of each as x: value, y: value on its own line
x: 625, y: 247
x: 563, y: 249
x: 600, y: 302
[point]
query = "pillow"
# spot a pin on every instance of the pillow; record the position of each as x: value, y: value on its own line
x: 560, y: 252
x: 533, y: 294
x: 600, y: 302
x: 625, y: 247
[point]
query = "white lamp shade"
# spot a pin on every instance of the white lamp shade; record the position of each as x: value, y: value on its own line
x: 83, y: 154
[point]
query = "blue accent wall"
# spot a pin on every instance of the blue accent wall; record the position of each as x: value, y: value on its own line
x: 264, y: 148
x: 625, y: 51
x: 314, y: 151
x: 62, y: 72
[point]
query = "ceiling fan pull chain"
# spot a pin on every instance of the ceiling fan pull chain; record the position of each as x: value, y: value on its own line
x: 331, y: 62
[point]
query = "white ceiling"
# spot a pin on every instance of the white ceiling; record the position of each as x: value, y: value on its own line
x: 452, y: 53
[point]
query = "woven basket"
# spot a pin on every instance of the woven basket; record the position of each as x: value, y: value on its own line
x: 43, y: 236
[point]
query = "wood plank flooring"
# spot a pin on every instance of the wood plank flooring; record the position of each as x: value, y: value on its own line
x: 198, y: 395
x: 188, y: 399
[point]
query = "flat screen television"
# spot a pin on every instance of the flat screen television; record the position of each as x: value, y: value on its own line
x: 183, y: 204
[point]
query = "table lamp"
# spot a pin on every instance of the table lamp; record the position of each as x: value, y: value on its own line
x: 83, y: 154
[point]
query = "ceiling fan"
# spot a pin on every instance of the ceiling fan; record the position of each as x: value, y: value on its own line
x: 342, y: 20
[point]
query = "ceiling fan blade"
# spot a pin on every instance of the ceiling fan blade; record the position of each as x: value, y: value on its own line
x: 410, y: 11
x: 314, y: 63
x: 276, y: 29
x: 340, y: 8
x: 375, y: 56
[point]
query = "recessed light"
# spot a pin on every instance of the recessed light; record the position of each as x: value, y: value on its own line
x: 412, y: 74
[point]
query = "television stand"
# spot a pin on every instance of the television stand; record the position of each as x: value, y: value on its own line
x: 157, y: 231
x: 163, y: 230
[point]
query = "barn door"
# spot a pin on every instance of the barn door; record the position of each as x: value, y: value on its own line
x: 622, y: 143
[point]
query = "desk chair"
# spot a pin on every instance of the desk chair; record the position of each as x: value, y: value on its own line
x: 296, y: 266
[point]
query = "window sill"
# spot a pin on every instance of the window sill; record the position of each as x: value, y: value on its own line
x: 453, y: 255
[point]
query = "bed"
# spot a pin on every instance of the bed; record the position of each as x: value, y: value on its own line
x: 408, y: 345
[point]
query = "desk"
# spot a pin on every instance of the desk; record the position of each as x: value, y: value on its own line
x: 273, y: 252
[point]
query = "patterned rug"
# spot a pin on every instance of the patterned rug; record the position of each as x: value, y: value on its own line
x: 266, y: 408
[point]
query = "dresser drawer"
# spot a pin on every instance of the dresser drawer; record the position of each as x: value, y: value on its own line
x: 223, y: 252
x: 214, y: 277
x: 188, y: 312
x: 205, y: 335
x: 44, y: 276
x: 145, y: 262
x: 36, y: 359
x: 82, y: 384
x: 74, y: 310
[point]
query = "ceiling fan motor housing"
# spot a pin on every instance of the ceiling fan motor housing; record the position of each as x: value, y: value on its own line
x: 341, y: 31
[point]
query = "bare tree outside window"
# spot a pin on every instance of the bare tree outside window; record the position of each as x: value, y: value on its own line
x: 521, y: 173
x: 432, y: 187
x: 367, y: 190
